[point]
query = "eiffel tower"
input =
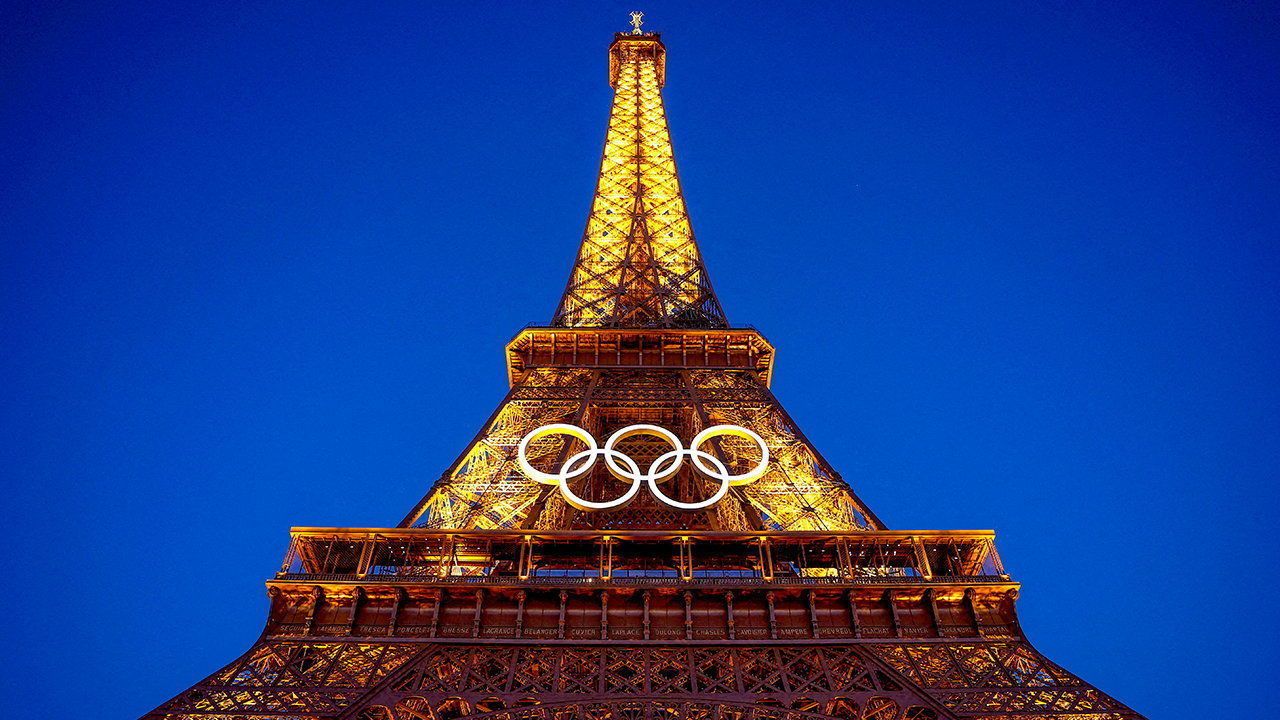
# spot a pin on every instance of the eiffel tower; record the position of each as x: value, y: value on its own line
x: 640, y: 530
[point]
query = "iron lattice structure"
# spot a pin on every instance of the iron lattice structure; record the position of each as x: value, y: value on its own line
x: 639, y: 265
x: 494, y: 598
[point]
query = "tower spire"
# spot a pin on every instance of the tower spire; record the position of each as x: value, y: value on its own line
x: 638, y: 265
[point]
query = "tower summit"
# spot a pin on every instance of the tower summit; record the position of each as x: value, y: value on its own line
x: 638, y: 265
x: 640, y: 337
x: 641, y: 531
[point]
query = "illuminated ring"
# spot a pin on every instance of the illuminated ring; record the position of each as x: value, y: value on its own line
x: 651, y: 476
x: 723, y: 476
x: 624, y: 467
x: 536, y: 475
x: 755, y: 473
x: 588, y: 459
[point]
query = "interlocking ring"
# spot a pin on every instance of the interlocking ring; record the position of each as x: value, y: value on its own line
x: 660, y: 470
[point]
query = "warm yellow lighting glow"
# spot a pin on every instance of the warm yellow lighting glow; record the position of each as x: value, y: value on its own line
x: 639, y: 336
x: 660, y: 470
x: 638, y: 264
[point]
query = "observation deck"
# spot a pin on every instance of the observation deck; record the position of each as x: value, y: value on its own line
x: 741, y: 348
x: 642, y: 585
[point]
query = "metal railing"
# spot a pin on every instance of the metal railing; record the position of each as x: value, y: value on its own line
x: 640, y: 559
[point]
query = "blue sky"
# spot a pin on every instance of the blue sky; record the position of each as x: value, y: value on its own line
x: 1019, y: 260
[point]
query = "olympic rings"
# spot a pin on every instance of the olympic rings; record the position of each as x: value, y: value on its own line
x: 660, y: 470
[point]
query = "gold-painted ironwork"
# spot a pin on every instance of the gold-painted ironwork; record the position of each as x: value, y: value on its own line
x: 496, y: 600
x: 485, y: 488
x: 639, y: 265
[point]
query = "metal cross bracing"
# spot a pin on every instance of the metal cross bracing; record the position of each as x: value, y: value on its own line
x: 485, y: 488
x: 407, y: 623
x: 496, y: 599
x: 639, y: 265
x: 347, y: 678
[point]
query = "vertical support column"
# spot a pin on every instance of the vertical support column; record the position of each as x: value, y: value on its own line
x: 853, y: 614
x: 893, y: 613
x: 645, y: 597
x: 606, y: 559
x: 931, y: 602
x: 685, y: 547
x: 366, y: 557
x: 324, y: 566
x: 844, y: 558
x: 922, y: 559
x: 355, y: 608
x: 446, y: 556
x: 524, y: 566
x: 773, y: 615
x: 604, y: 615
x: 289, y: 555
x: 435, y: 614
x: 688, y: 615
x: 520, y: 597
x: 973, y: 611
x: 475, y: 619
x: 396, y: 604
x: 1017, y: 624
x: 766, y: 559
x: 995, y: 558
x: 274, y: 612
x: 728, y: 613
x: 316, y: 595
x: 813, y: 615
x: 564, y: 600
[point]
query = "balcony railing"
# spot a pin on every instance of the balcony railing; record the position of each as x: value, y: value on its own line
x: 640, y: 558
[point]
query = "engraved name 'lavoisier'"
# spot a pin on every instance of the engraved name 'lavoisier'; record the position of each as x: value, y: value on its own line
x: 625, y: 468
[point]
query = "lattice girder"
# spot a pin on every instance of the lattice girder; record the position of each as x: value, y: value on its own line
x: 778, y: 677
x: 363, y: 677
x: 486, y: 489
x: 497, y: 599
x: 639, y: 265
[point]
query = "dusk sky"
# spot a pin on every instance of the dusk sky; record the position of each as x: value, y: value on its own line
x: 1020, y: 262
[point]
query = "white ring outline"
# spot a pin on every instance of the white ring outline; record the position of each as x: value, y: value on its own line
x: 755, y: 473
x: 715, y: 498
x: 522, y: 456
x: 590, y: 505
x: 660, y: 470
